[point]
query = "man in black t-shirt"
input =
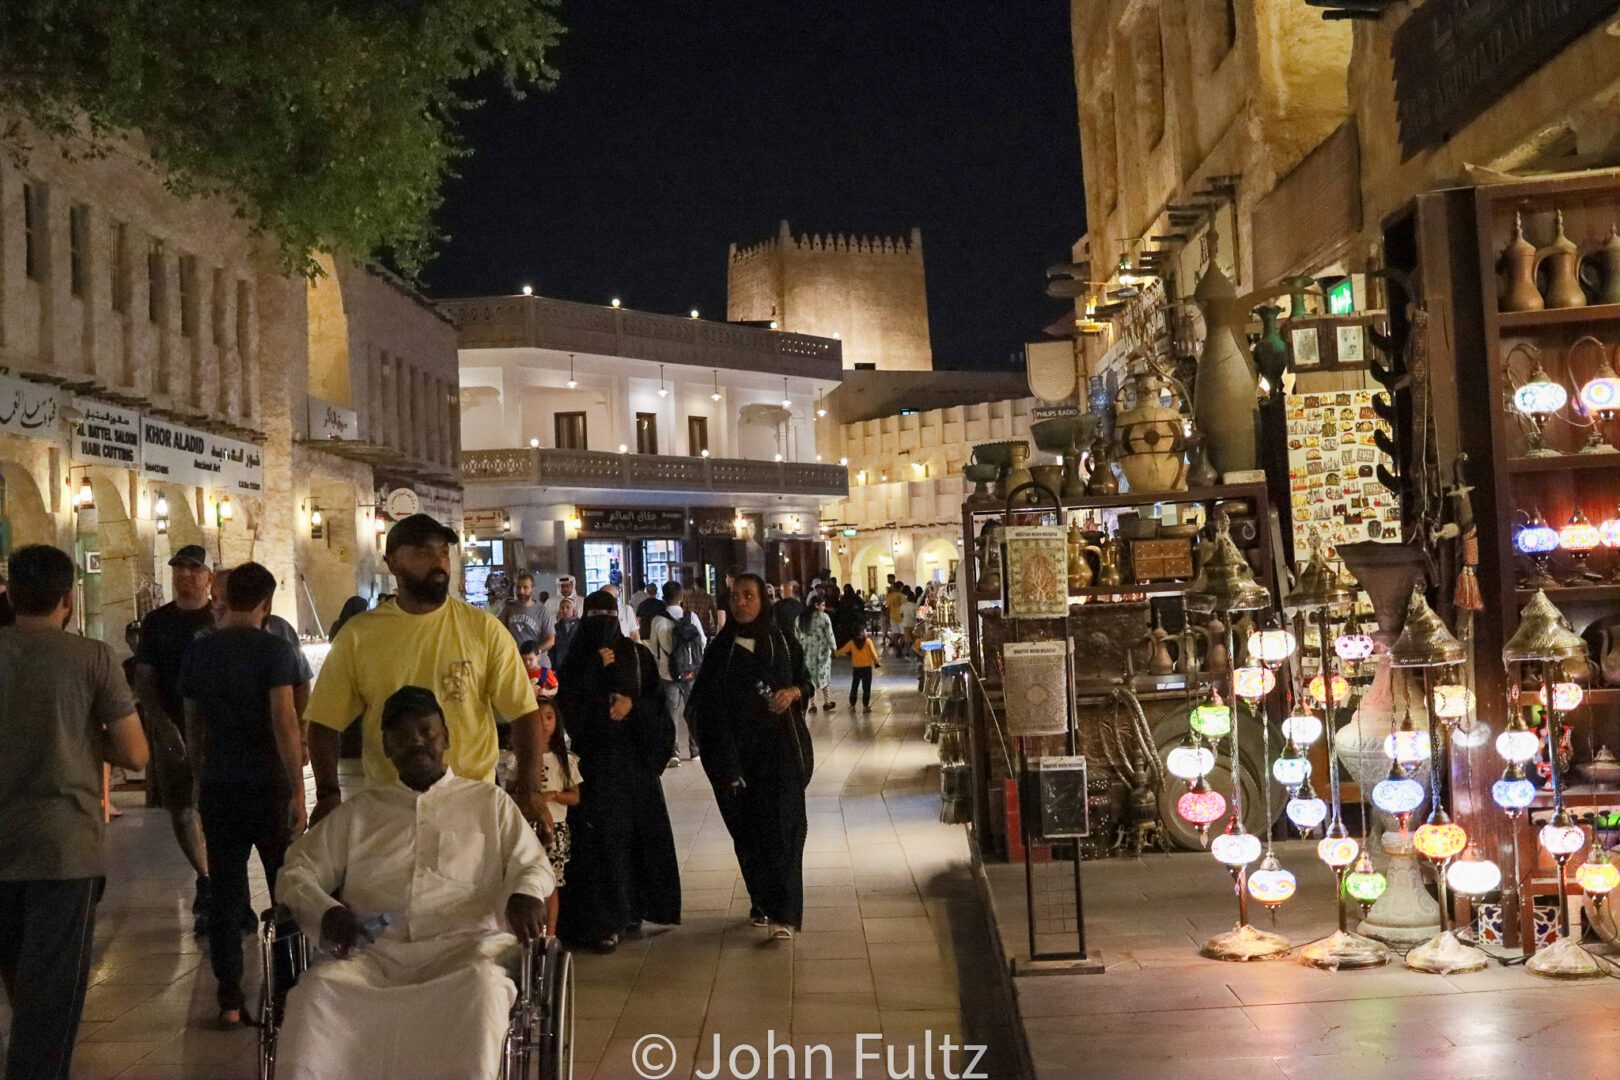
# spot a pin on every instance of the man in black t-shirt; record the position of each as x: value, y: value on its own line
x: 165, y: 635
x: 247, y: 755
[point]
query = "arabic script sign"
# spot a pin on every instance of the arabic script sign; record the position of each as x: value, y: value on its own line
x: 107, y: 435
x: 633, y: 521
x: 28, y: 408
x: 1455, y: 58
x: 182, y: 455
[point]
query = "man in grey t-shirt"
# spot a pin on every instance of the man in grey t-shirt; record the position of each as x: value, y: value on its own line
x: 526, y: 618
x: 64, y: 710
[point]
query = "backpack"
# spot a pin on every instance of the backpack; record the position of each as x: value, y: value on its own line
x: 685, y: 650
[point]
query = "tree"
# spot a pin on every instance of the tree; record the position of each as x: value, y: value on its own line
x: 328, y: 122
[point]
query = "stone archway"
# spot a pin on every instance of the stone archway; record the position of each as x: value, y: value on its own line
x: 935, y: 559
x: 23, y: 516
x: 111, y: 558
x: 874, y: 560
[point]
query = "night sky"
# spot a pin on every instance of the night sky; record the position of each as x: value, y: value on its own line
x: 676, y: 129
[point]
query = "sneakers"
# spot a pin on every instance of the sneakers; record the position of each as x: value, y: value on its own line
x: 693, y: 756
x: 866, y: 708
x: 779, y: 931
x: 674, y: 762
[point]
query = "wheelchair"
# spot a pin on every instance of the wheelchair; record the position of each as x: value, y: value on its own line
x: 539, y: 1041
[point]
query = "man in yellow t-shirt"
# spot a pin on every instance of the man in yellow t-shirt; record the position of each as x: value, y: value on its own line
x: 430, y: 639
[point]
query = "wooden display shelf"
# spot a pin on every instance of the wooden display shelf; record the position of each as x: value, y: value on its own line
x: 1564, y: 463
x: 1575, y: 594
x: 1593, y: 313
x: 1221, y: 493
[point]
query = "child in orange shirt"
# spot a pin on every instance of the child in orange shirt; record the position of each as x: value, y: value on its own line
x: 863, y: 659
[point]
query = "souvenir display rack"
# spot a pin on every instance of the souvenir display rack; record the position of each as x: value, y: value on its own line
x: 1462, y: 243
x: 997, y: 822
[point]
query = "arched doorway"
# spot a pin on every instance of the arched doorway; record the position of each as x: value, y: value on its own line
x: 23, y: 517
x: 872, y: 565
x: 937, y: 560
x: 110, y: 557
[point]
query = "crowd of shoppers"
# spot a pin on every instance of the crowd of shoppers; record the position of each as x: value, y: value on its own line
x: 595, y: 697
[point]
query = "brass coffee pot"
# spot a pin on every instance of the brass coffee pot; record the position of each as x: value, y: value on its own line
x: 1563, y: 260
x: 1110, y: 566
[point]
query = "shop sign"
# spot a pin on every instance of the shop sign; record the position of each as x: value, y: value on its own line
x: 106, y: 435
x: 715, y: 524
x: 633, y: 521
x: 402, y: 503
x: 332, y: 423
x: 182, y: 455
x: 491, y: 519
x: 1454, y: 59
x: 28, y: 408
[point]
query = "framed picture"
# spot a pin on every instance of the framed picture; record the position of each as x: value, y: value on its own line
x: 1037, y: 572
x: 1307, y: 348
x: 92, y: 562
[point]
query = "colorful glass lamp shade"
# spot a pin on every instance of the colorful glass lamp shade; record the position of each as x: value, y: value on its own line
x: 1580, y: 538
x: 1452, y: 701
x: 1253, y: 683
x: 1271, y: 646
x: 1189, y: 761
x: 1302, y: 729
x: 1537, y: 540
x: 1566, y: 696
x: 1473, y: 874
x: 1406, y: 745
x: 1518, y: 743
x: 1212, y: 721
x: 1271, y: 884
x: 1305, y: 809
x: 1537, y: 400
x: 1201, y: 806
x: 1514, y: 791
x: 1338, y: 851
x: 1353, y: 648
x: 1365, y: 884
x: 1439, y: 838
x: 1318, y: 690
x: 1598, y: 876
x: 1600, y: 396
x: 1234, y: 848
x: 1561, y: 836
x: 1397, y: 794
x: 1291, y: 769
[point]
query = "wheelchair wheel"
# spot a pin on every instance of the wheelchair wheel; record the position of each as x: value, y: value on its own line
x: 557, y: 1014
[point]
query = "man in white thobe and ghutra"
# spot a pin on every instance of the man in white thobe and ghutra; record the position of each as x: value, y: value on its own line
x: 422, y: 891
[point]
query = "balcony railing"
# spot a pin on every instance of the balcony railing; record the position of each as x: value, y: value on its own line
x: 650, y: 472
x: 540, y: 322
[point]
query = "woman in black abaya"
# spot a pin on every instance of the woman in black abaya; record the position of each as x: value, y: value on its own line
x: 747, y: 710
x: 623, y: 869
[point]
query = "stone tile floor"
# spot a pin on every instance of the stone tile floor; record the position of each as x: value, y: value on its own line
x: 1162, y: 1012
x: 894, y: 942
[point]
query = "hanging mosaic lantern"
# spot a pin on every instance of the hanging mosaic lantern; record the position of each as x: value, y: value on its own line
x: 1271, y: 884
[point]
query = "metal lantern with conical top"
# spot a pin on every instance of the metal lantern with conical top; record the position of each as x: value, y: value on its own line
x: 1319, y: 585
x: 1225, y: 582
x: 1543, y: 634
x: 1425, y: 641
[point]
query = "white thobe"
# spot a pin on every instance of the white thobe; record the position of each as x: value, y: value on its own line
x: 430, y: 997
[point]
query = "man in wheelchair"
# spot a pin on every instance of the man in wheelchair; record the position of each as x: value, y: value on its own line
x: 405, y: 887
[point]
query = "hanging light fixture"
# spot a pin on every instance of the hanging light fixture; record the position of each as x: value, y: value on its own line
x: 1517, y: 743
x: 1514, y: 791
x: 1365, y: 884
x: 716, y: 395
x: 1302, y: 729
x: 1452, y: 701
x: 1235, y: 848
x: 1561, y: 836
x: 1320, y: 687
x: 1253, y: 683
x: 1212, y: 720
x: 573, y: 383
x: 663, y: 391
x: 1542, y: 634
x: 1271, y: 884
x: 1201, y: 805
x: 86, y: 497
x: 1353, y: 647
x: 1397, y: 794
x: 1439, y: 838
x: 1291, y: 769
x: 160, y: 514
x: 1406, y: 745
x: 1271, y: 647
x: 1566, y: 696
x: 1473, y: 874
x: 1425, y: 642
x: 787, y: 402
x: 226, y: 511
x: 1338, y: 851
x: 1190, y: 760
x: 1305, y: 809
x: 1225, y: 581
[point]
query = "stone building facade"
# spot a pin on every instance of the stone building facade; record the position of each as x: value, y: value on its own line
x: 155, y: 386
x: 1281, y: 132
x: 868, y: 292
x: 903, y: 514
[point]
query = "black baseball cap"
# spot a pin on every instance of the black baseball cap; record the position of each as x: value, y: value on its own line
x: 192, y: 555
x: 418, y: 530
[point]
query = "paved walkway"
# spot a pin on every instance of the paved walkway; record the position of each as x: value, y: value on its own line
x: 1162, y: 1012
x: 894, y: 942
